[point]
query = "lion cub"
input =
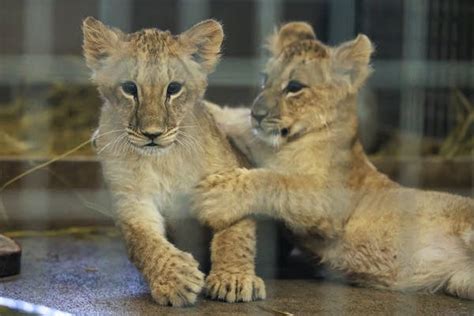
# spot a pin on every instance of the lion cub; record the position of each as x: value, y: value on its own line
x: 316, y: 177
x: 155, y: 141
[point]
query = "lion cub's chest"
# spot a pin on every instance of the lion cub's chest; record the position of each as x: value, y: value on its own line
x: 168, y: 182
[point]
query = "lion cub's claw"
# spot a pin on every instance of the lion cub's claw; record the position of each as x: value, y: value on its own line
x: 179, y: 282
x: 235, y: 287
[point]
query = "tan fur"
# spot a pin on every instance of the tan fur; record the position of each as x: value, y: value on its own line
x: 150, y: 183
x: 317, y: 178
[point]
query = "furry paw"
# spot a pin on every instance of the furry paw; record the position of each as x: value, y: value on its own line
x: 232, y: 288
x: 219, y: 200
x: 178, y: 280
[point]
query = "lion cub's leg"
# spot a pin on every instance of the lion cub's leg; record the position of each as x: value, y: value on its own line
x: 461, y: 282
x: 303, y: 202
x: 437, y: 261
x: 173, y: 275
x: 232, y: 277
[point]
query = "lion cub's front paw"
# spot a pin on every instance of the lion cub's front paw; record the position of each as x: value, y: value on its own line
x: 178, y: 280
x: 218, y: 200
x: 232, y: 287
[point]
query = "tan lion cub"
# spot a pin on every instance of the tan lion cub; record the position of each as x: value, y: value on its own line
x: 155, y: 141
x: 316, y: 177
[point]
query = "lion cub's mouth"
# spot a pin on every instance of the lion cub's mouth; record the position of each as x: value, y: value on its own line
x: 162, y: 142
x: 274, y: 131
x: 277, y: 135
x: 152, y: 144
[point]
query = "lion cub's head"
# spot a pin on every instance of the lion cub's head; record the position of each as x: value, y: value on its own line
x: 305, y: 81
x: 150, y: 79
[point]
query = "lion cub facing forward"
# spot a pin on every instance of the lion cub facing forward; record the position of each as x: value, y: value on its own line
x: 316, y: 177
x: 155, y: 141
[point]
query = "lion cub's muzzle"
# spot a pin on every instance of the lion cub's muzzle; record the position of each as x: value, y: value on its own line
x: 266, y: 120
x: 152, y: 138
x: 267, y: 124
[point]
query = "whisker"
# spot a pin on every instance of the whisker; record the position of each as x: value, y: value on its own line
x: 118, y: 142
x: 184, y: 145
x: 123, y: 144
x: 106, y: 146
x: 109, y: 132
x: 185, y: 142
x: 134, y: 133
x: 112, y: 143
x: 190, y: 140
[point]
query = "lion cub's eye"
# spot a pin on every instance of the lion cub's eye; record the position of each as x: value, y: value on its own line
x: 130, y: 88
x: 173, y: 88
x: 294, y: 86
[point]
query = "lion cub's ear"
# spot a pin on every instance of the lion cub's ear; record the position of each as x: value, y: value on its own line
x: 204, y: 41
x: 352, y: 59
x: 289, y: 33
x: 100, y: 42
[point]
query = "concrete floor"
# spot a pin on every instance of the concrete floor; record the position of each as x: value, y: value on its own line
x: 90, y: 274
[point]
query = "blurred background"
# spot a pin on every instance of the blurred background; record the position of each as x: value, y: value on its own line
x: 416, y: 118
x: 423, y: 63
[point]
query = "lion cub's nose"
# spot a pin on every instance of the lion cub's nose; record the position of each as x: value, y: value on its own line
x: 152, y: 134
x: 259, y: 115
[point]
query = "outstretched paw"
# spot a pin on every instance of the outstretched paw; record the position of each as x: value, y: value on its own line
x: 219, y: 198
x: 232, y: 287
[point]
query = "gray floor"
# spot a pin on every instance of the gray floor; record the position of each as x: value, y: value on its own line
x: 90, y: 274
